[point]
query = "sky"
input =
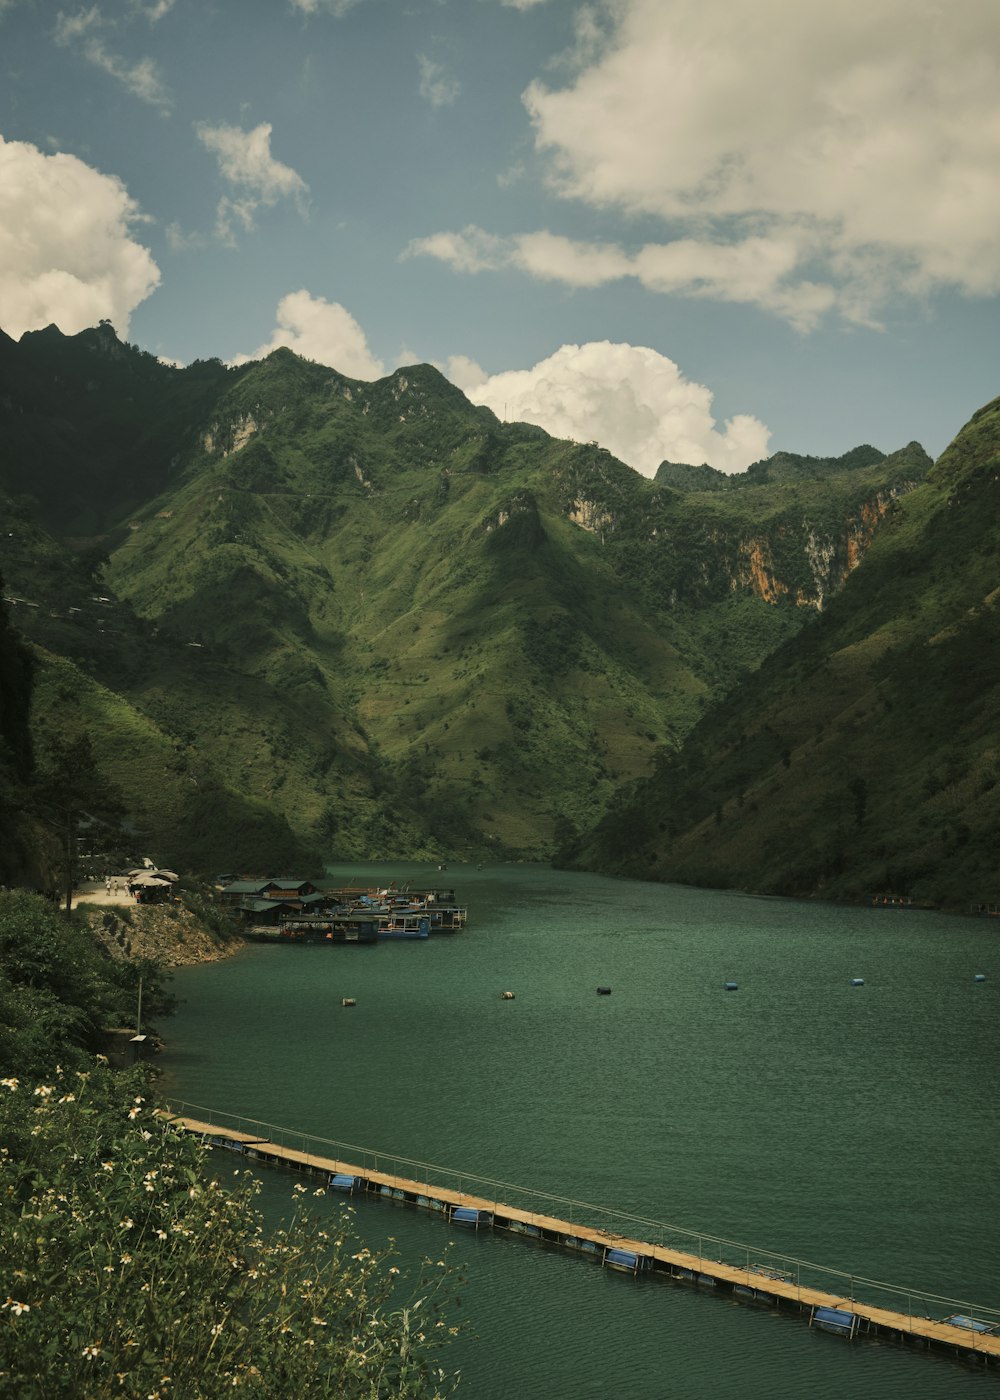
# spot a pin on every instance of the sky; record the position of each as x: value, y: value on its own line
x: 691, y: 230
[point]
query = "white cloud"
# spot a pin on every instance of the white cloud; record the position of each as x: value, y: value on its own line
x: 630, y: 399
x: 863, y: 138
x: 756, y: 270
x: 180, y: 242
x: 470, y: 250
x: 245, y: 160
x: 139, y: 77
x: 328, y: 7
x: 155, y: 10
x: 436, y: 84
x: 66, y: 253
x: 323, y: 331
x: 521, y: 4
x: 465, y: 373
x: 550, y: 256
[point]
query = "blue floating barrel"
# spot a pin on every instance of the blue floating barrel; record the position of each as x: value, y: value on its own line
x: 732, y: 986
x: 979, y: 977
x: 604, y: 991
x: 836, y: 1320
x: 622, y: 1259
x: 469, y: 1215
x: 857, y: 981
x: 230, y: 1144
x: 971, y: 1324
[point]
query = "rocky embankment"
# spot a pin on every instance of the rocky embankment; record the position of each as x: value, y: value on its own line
x: 168, y: 933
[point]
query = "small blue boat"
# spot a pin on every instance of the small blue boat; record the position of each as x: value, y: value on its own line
x: 341, y: 1181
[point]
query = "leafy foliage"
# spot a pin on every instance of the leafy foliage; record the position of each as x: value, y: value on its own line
x: 16, y: 755
x: 57, y: 989
x: 131, y: 1271
x: 127, y: 1268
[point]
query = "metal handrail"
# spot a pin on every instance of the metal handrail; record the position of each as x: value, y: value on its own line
x: 392, y: 1161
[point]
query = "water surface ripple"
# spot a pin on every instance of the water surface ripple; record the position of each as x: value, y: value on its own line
x: 853, y: 1126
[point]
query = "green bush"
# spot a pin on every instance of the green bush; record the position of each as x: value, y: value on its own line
x: 129, y: 1271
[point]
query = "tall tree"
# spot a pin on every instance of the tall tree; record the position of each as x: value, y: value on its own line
x: 69, y: 788
x: 16, y: 670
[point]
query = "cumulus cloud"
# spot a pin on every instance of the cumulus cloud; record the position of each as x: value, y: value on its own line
x: 436, y: 84
x: 323, y: 331
x: 66, y: 252
x: 246, y: 162
x: 630, y: 399
x: 863, y: 139
x: 140, y: 77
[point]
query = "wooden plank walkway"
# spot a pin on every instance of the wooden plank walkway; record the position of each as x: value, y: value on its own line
x: 764, y: 1283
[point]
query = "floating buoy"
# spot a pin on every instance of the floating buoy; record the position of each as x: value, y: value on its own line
x: 857, y: 981
x: 979, y: 977
x: 732, y: 986
x: 604, y: 991
x: 506, y: 996
x: 348, y: 1001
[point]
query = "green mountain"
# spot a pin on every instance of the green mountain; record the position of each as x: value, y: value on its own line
x: 864, y: 758
x: 304, y: 616
x: 16, y: 757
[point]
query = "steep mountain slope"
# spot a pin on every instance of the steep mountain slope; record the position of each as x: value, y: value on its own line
x: 864, y: 759
x: 378, y: 614
x: 16, y: 758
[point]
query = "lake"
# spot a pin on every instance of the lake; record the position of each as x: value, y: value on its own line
x: 856, y: 1127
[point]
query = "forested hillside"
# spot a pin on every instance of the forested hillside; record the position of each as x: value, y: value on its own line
x: 864, y: 758
x: 313, y: 617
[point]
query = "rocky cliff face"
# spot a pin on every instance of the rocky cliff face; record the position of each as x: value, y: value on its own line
x: 166, y: 933
x: 829, y: 556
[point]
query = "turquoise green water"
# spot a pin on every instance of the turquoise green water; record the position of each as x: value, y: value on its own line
x: 855, y: 1127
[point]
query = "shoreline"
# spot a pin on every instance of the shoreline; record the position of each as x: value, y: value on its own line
x: 168, y: 933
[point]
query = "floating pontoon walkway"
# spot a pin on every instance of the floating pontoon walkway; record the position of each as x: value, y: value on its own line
x: 751, y: 1275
